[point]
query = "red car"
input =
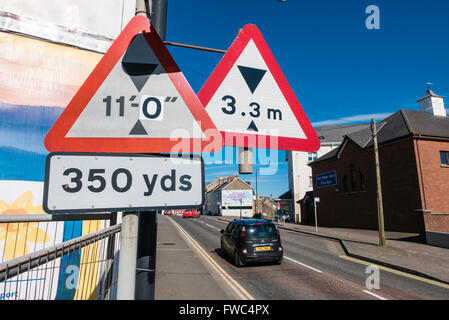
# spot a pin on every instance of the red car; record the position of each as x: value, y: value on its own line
x: 168, y: 212
x: 191, y: 214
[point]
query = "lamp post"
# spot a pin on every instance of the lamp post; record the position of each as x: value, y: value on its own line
x: 257, y: 194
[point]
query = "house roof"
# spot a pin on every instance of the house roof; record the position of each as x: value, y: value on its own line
x: 430, y: 93
x: 285, y: 196
x: 228, y: 182
x: 400, y: 124
x: 336, y: 133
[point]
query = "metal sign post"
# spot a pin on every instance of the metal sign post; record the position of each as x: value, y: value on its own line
x: 315, y: 201
x: 126, y: 281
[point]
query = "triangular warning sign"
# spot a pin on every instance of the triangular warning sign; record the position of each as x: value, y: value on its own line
x: 251, y: 102
x: 136, y: 100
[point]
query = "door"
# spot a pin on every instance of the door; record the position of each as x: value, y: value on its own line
x: 227, y: 236
x: 235, y: 236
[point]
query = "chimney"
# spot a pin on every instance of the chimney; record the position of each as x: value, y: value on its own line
x: 432, y: 103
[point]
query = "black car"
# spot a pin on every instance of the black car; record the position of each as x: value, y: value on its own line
x: 252, y: 240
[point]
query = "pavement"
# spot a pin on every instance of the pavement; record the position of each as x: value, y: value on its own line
x: 401, y: 252
x: 181, y: 273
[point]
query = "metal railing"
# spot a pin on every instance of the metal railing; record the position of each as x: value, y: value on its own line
x: 36, y: 265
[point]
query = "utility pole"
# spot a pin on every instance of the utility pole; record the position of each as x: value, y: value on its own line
x: 145, y: 272
x: 380, y: 209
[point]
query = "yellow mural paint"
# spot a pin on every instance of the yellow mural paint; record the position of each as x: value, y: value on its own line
x: 51, y: 73
x: 89, y: 264
x: 18, y: 236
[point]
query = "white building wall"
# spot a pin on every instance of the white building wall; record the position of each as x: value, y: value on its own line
x: 433, y: 105
x: 299, y: 175
x: 246, y: 213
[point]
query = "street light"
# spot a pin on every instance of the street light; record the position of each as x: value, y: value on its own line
x: 257, y: 194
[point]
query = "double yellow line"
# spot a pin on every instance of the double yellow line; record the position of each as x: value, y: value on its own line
x: 234, y: 285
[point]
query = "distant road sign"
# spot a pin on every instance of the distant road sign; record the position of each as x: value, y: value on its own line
x: 77, y: 182
x: 326, y: 179
x: 249, y: 99
x: 135, y: 100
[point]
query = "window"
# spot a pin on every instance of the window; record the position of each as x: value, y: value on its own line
x: 310, y: 181
x: 444, y: 155
x: 345, y: 184
x: 235, y: 231
x: 261, y: 230
x: 353, y: 178
x: 312, y: 156
x: 362, y: 182
x: 230, y: 227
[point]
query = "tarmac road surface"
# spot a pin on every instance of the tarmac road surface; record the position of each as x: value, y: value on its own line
x: 313, y: 269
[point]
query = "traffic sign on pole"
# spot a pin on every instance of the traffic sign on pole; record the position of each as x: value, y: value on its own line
x: 250, y: 101
x: 136, y: 100
x: 89, y: 182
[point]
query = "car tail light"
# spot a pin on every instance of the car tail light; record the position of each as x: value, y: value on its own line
x: 259, y: 223
x: 280, y: 249
x: 244, y: 251
x: 277, y: 232
x: 242, y: 234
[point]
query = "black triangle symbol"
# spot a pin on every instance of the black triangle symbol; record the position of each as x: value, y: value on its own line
x: 139, y: 72
x: 138, y: 62
x: 252, y: 127
x: 138, y: 129
x: 252, y: 76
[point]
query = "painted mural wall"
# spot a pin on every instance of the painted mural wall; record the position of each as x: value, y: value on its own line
x: 44, y: 59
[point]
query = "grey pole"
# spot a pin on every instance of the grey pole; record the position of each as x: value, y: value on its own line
x: 245, y: 160
x: 159, y: 16
x: 145, y: 272
x: 245, y: 157
x: 126, y: 281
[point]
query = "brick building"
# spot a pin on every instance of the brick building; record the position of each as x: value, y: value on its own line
x: 229, y: 196
x: 414, y: 166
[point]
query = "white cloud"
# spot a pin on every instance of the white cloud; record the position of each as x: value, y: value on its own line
x: 353, y: 119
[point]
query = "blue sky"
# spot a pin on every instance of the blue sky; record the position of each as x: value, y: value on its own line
x: 340, y: 71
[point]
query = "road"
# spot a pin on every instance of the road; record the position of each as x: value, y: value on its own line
x: 314, y: 268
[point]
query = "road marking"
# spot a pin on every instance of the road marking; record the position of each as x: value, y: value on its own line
x: 304, y: 265
x: 217, y: 220
x: 211, y: 226
x: 234, y: 285
x: 400, y: 273
x: 374, y: 295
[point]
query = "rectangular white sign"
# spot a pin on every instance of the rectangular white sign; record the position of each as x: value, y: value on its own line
x: 92, y: 182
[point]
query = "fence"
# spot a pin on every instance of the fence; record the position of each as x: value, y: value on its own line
x: 35, y: 264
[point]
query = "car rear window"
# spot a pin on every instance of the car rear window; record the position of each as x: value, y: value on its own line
x: 261, y: 230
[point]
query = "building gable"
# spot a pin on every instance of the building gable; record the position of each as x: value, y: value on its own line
x: 237, y: 184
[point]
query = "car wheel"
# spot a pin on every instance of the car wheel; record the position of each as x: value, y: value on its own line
x: 237, y: 261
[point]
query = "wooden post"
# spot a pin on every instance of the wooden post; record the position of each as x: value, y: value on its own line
x: 380, y: 209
